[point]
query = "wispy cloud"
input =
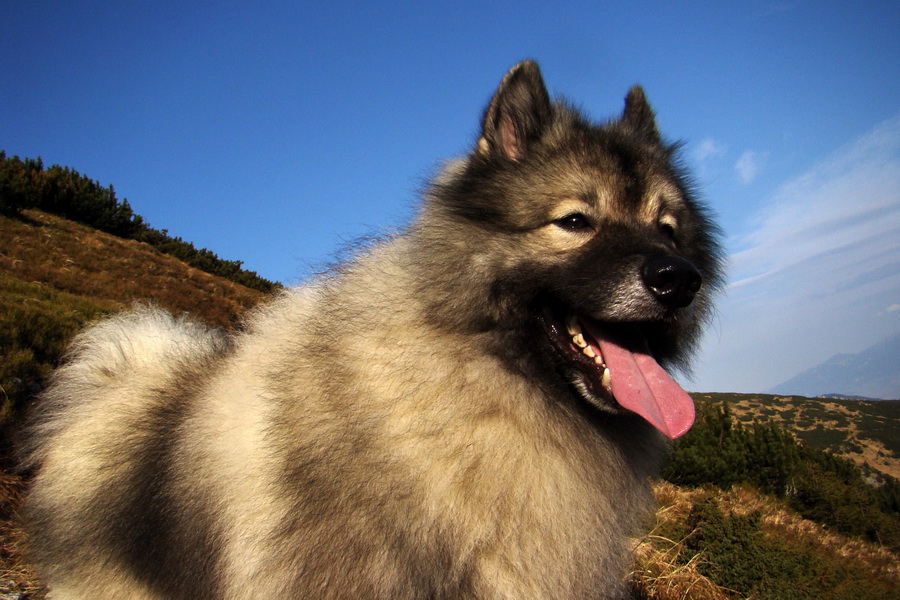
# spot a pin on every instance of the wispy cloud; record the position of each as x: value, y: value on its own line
x: 851, y: 198
x: 705, y: 156
x: 748, y: 166
x: 707, y: 149
x: 812, y: 275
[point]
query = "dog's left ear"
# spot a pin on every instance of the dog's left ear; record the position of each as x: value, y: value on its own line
x: 638, y: 115
x: 518, y: 113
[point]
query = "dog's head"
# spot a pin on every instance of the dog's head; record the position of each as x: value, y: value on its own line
x: 593, y: 242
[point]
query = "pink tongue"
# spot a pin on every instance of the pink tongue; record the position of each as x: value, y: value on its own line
x: 640, y: 385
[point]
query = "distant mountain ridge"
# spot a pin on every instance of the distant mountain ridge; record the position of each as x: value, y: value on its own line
x: 850, y: 397
x: 873, y: 373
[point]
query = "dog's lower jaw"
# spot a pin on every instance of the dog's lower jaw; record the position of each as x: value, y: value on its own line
x: 603, y: 400
x: 582, y: 368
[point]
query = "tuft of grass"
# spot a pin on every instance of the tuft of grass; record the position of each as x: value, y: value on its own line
x: 16, y: 573
x: 660, y: 573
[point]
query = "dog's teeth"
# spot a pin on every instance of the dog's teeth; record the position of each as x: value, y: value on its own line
x: 579, y: 340
x: 598, y: 360
x: 573, y: 326
x: 589, y: 351
x: 605, y: 379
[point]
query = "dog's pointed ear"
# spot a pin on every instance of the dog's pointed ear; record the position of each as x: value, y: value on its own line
x: 638, y: 115
x: 518, y: 113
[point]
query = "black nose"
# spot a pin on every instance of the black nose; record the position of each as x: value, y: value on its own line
x: 674, y: 281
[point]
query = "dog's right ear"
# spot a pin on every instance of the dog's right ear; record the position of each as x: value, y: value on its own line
x: 517, y: 114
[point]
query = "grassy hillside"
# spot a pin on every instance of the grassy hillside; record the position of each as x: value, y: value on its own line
x: 63, y: 191
x: 864, y: 431
x: 56, y: 275
x: 41, y: 248
x: 708, y: 543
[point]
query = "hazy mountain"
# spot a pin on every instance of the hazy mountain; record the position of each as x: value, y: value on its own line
x: 872, y: 373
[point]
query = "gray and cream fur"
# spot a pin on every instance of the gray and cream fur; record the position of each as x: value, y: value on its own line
x: 406, y: 426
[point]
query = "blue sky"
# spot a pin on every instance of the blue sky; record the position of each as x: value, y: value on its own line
x: 278, y: 132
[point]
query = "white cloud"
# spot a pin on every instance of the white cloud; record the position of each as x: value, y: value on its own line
x: 748, y: 166
x: 813, y: 273
x: 707, y: 149
x: 705, y: 156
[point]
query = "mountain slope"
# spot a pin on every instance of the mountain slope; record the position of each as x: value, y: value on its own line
x: 863, y: 431
x: 38, y: 247
x: 56, y: 275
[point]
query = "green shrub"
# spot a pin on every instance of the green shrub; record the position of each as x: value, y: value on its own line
x: 738, y: 554
x: 820, y: 486
x: 721, y: 452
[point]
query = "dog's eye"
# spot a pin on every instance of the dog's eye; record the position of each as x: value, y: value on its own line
x: 667, y: 225
x: 573, y: 222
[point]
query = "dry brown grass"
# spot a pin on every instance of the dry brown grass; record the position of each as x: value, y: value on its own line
x: 661, y: 571
x: 85, y: 262
x: 16, y: 574
x: 659, y: 575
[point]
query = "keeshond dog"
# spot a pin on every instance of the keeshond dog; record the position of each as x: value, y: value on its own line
x: 471, y: 408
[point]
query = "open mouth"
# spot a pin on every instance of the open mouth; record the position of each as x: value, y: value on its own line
x: 616, y: 369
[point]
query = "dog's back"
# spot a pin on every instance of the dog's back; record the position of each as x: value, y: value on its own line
x: 173, y: 465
